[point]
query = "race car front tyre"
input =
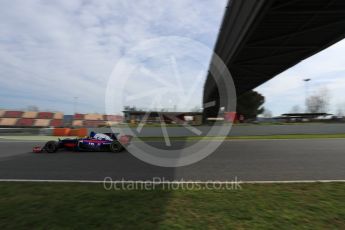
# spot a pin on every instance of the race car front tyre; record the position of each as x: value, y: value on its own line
x: 116, y: 147
x: 51, y: 146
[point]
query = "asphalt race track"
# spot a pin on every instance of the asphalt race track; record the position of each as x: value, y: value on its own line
x: 248, y: 160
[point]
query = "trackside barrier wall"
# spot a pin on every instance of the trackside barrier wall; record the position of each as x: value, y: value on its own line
x: 61, y: 131
x: 78, y: 132
x: 70, y: 132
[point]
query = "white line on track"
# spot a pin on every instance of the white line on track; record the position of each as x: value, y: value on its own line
x: 175, y: 182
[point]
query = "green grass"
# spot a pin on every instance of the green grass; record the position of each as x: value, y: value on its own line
x: 89, y: 206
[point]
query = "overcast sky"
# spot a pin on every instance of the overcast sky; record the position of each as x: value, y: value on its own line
x: 53, y: 51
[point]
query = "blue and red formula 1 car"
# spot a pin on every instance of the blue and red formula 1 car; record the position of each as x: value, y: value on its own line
x: 88, y: 144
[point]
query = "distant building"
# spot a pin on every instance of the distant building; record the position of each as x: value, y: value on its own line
x: 298, y: 117
x: 134, y: 116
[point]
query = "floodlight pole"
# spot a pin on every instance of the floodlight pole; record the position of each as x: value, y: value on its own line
x: 75, y: 104
x: 306, y: 80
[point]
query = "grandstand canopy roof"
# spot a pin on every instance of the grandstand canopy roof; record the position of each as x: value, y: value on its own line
x: 260, y: 39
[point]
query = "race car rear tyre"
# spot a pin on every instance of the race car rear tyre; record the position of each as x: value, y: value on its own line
x: 116, y: 147
x: 51, y: 146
